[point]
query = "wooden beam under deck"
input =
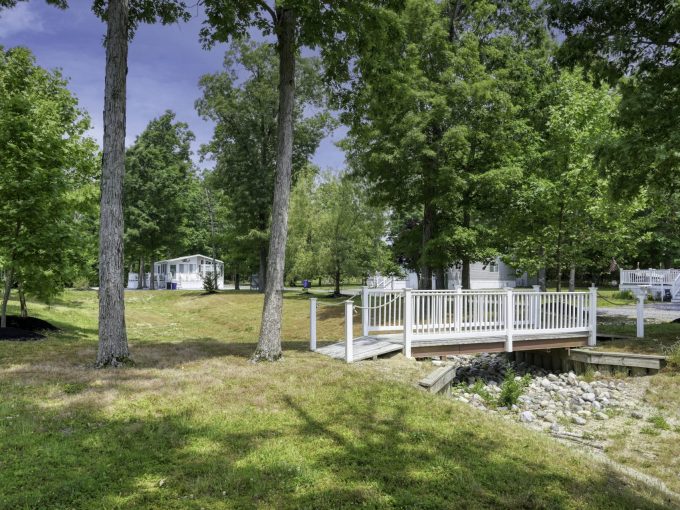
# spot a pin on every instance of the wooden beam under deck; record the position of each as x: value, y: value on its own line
x: 419, y: 351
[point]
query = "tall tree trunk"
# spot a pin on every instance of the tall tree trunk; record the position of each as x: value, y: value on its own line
x: 269, y: 343
x: 22, y: 301
x: 262, y: 272
x: 558, y: 256
x: 441, y: 284
x: 337, y: 283
x: 152, y: 278
x: 9, y: 275
x: 466, y: 282
x: 237, y: 281
x: 113, y: 345
x: 541, y: 270
x: 428, y: 229
x: 572, y: 278
x: 142, y: 277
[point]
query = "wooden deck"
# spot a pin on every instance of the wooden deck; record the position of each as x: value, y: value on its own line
x: 367, y: 347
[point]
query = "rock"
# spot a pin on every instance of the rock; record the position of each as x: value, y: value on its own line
x: 526, y: 416
x: 597, y: 406
x: 550, y: 418
x: 578, y: 420
x: 463, y: 399
x: 588, y: 397
x: 437, y: 363
x: 601, y: 416
x: 585, y: 386
x: 545, y: 383
x: 555, y: 427
x: 637, y: 415
x: 553, y: 377
x: 514, y: 408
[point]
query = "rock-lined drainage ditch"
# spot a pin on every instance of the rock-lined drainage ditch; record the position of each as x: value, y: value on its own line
x: 566, y: 405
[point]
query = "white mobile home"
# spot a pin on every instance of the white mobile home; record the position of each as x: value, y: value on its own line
x: 184, y: 273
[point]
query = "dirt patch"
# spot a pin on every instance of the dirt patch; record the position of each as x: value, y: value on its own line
x: 16, y: 334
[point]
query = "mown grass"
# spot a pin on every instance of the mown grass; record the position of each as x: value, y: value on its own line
x: 195, y: 425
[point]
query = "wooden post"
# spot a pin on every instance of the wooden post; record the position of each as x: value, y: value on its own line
x: 408, y: 322
x: 364, y: 311
x: 312, y: 324
x: 641, y: 314
x: 509, y: 319
x: 349, y: 310
x: 592, y: 339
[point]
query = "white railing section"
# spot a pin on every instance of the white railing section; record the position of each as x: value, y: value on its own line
x: 651, y: 277
x: 431, y: 315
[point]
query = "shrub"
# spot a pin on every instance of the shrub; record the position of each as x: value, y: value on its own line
x: 673, y: 355
x: 659, y: 422
x: 512, y: 388
x: 480, y: 389
x: 209, y: 283
x: 624, y: 295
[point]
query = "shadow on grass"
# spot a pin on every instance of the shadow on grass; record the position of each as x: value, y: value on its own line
x: 364, y: 449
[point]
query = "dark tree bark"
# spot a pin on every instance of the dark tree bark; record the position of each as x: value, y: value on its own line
x: 558, y: 256
x: 542, y: 271
x: 152, y: 278
x: 22, y: 301
x: 269, y: 343
x: 572, y: 278
x: 465, y: 277
x: 336, y: 292
x: 113, y: 345
x: 141, y: 281
x: 428, y: 229
x: 237, y: 281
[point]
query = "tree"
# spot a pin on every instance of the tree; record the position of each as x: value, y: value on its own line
x: 122, y: 17
x: 157, y: 177
x: 335, y: 231
x: 48, y: 171
x: 443, y: 113
x: 245, y: 139
x: 634, y: 45
x: 294, y: 23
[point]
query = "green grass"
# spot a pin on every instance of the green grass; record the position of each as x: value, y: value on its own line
x: 659, y: 338
x: 193, y: 424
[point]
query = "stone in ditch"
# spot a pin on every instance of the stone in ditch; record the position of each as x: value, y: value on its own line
x: 584, y: 386
x: 588, y: 397
x: 597, y: 406
x: 555, y: 427
x: 526, y: 416
x: 578, y: 420
x: 601, y: 416
x: 550, y: 418
x: 553, y: 377
x: 637, y: 415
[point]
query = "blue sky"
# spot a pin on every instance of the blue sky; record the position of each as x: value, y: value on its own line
x: 164, y: 65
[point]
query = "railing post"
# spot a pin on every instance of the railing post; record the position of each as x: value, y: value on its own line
x: 536, y: 304
x: 509, y: 319
x: 458, y: 325
x: 592, y: 339
x: 349, y: 346
x: 640, y: 333
x: 312, y: 324
x: 364, y: 311
x: 408, y: 322
x: 434, y: 282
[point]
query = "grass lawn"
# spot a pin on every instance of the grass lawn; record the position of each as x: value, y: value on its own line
x: 195, y: 425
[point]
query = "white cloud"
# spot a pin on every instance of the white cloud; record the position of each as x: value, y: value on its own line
x: 19, y: 19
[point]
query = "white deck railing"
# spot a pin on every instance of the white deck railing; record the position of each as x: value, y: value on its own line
x: 652, y: 277
x: 431, y: 315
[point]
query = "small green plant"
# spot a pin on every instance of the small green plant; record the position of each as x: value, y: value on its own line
x: 624, y: 295
x: 512, y: 389
x: 673, y: 356
x: 650, y: 431
x: 74, y: 388
x: 209, y: 282
x: 659, y: 422
x: 480, y: 389
x: 589, y: 374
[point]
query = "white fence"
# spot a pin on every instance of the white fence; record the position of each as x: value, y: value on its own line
x: 431, y: 315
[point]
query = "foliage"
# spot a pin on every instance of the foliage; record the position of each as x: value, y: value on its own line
x: 512, y: 388
x: 159, y: 181
x: 633, y: 44
x: 245, y: 141
x: 440, y: 123
x: 210, y: 282
x: 334, y: 231
x: 48, y: 191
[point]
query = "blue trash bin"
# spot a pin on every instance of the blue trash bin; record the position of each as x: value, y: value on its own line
x: 174, y: 286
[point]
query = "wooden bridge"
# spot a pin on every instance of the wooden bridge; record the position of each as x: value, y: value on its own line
x: 439, y: 322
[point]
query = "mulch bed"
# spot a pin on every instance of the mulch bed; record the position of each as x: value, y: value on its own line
x: 25, y: 328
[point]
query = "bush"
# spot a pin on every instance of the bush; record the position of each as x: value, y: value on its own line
x: 624, y: 295
x: 512, y: 388
x: 673, y: 355
x: 209, y: 282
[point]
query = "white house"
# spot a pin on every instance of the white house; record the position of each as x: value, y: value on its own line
x: 184, y: 273
x: 494, y: 275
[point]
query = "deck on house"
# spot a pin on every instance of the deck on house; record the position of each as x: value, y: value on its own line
x: 435, y: 323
